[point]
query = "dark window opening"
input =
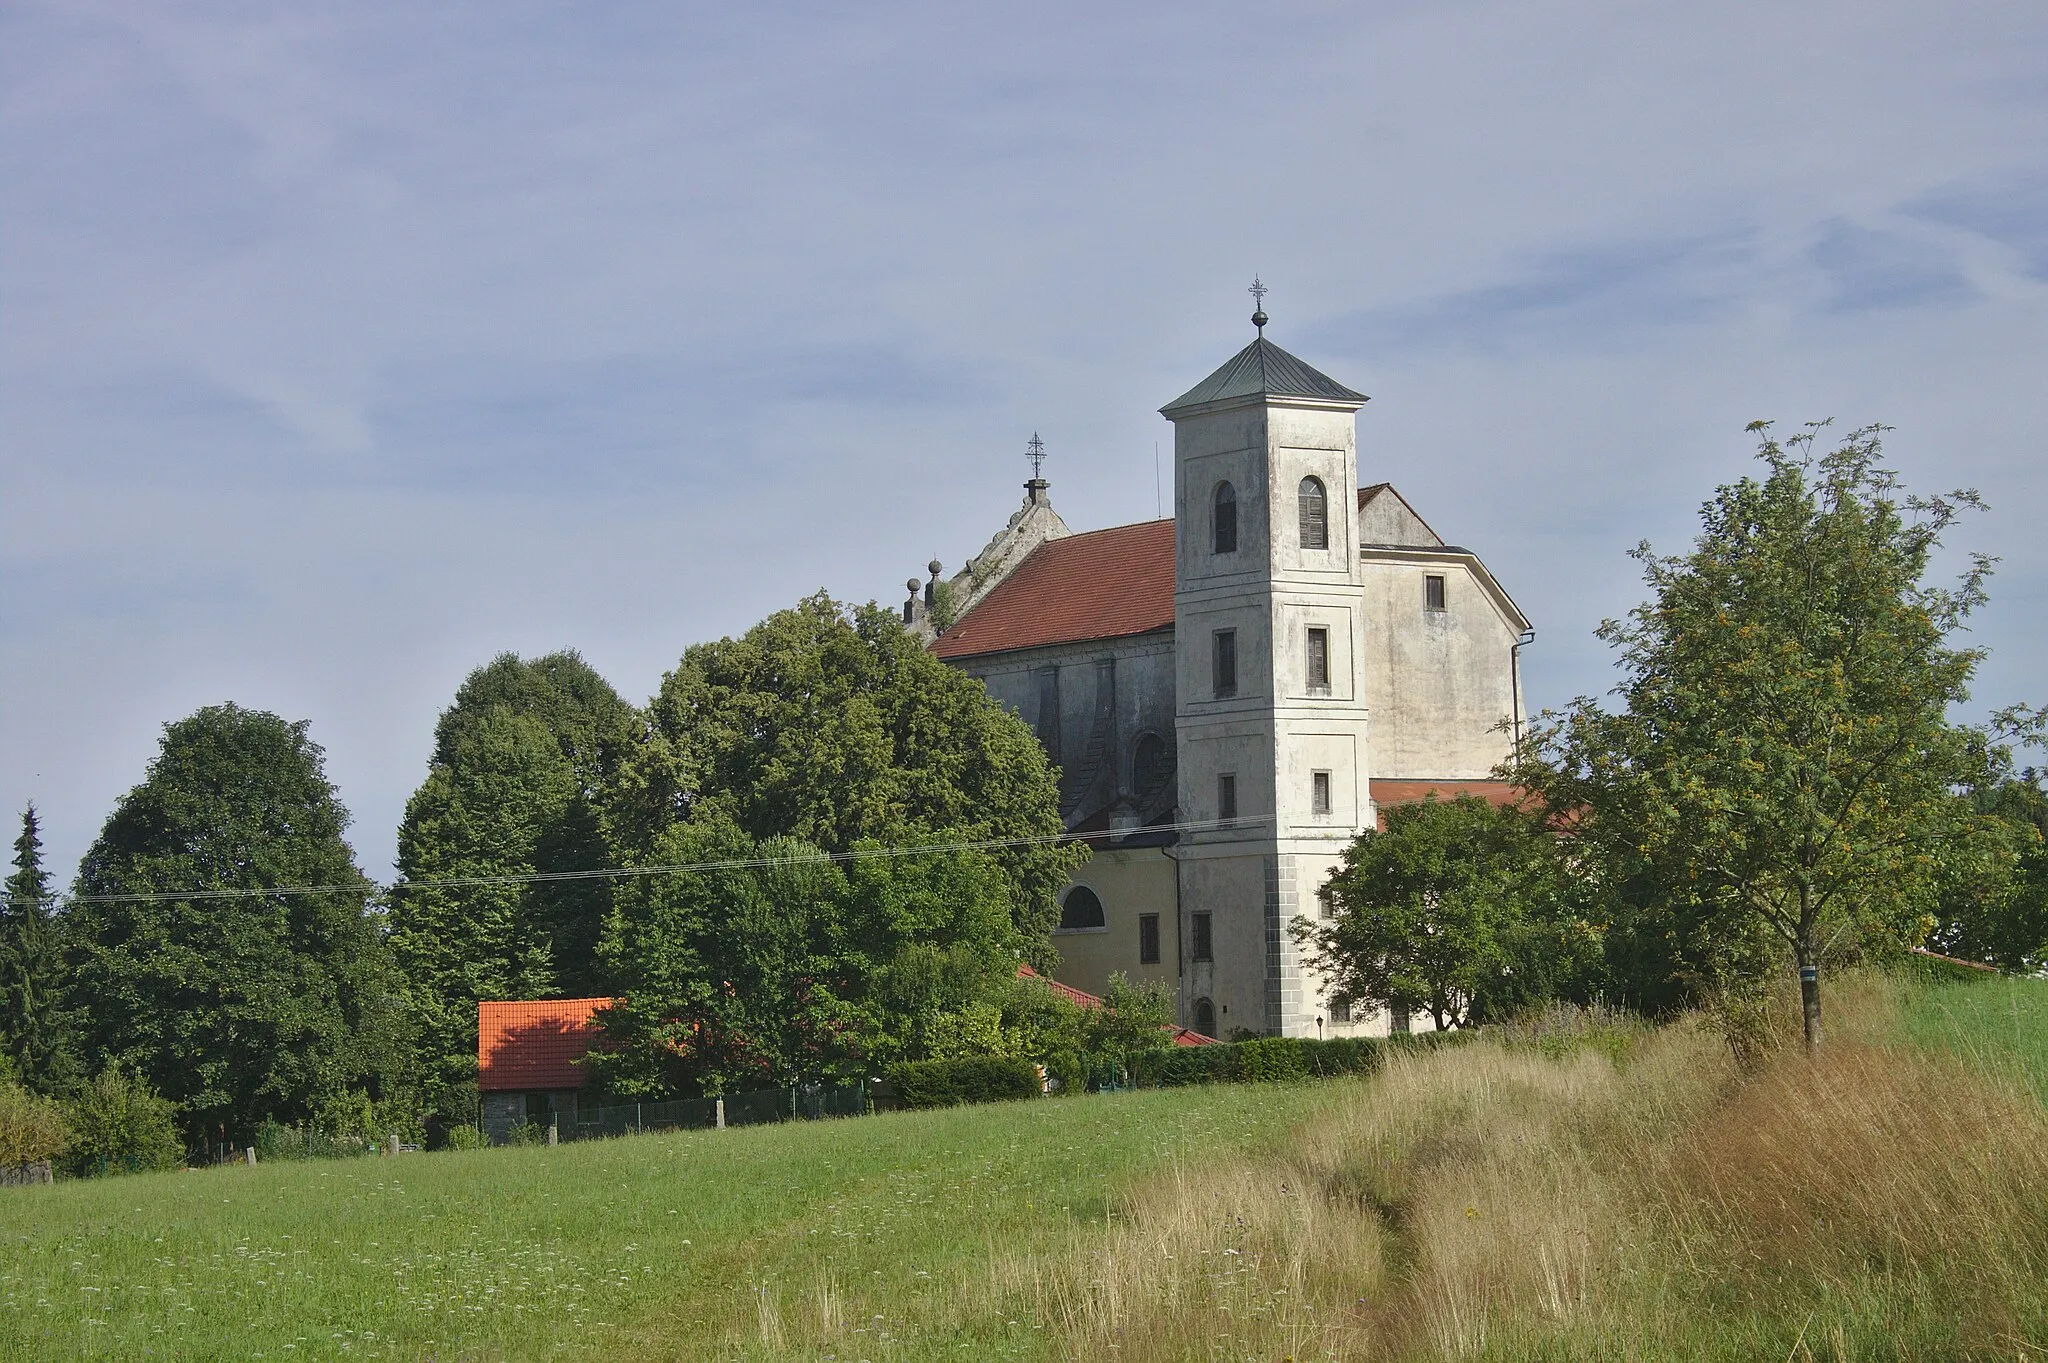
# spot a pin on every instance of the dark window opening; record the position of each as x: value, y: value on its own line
x: 1319, y: 784
x: 1205, y: 1017
x: 1225, y: 540
x: 1225, y: 661
x: 1148, y: 939
x: 1432, y: 592
x: 1048, y: 727
x: 1319, y: 659
x: 1080, y: 909
x: 1340, y: 1010
x: 1201, y: 944
x: 1315, y: 515
x: 1226, y: 795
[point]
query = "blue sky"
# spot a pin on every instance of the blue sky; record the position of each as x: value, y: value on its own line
x: 343, y: 346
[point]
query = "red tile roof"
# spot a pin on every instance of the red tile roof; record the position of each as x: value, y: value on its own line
x: 1102, y: 585
x: 1182, y: 1036
x: 525, y: 1045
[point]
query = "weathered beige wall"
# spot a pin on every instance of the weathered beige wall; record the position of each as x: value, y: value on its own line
x: 1437, y: 682
x: 1129, y: 883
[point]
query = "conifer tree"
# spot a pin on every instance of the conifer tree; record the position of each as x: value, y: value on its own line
x: 34, y: 1020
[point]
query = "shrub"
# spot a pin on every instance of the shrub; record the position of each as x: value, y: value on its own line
x: 32, y: 1128
x: 464, y: 1138
x: 120, y: 1126
x: 1066, y: 1073
x: 981, y: 1079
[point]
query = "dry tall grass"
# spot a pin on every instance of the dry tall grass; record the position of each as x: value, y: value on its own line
x: 1626, y: 1196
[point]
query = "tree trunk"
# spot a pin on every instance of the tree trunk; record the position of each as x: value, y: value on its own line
x: 1809, y: 994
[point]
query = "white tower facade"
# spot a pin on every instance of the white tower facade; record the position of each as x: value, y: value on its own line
x: 1271, y: 721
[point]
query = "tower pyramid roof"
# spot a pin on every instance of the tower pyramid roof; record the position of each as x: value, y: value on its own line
x: 1262, y: 369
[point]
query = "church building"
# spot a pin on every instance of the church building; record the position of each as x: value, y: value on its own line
x: 1233, y: 693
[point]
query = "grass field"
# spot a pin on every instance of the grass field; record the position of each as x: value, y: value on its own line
x: 1553, y: 1193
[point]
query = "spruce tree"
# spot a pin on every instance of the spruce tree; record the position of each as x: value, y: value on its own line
x: 37, y: 1032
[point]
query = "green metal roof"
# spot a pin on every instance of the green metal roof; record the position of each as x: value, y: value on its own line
x: 1262, y: 369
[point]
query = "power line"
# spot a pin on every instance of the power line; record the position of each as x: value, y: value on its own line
x: 630, y: 872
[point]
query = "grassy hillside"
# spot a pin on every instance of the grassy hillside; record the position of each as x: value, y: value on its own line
x: 1566, y: 1191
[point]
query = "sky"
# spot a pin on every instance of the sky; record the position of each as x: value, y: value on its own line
x: 344, y: 346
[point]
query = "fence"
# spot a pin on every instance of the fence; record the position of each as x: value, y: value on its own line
x: 797, y: 1102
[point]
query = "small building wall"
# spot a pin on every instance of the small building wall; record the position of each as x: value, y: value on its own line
x: 1130, y: 883
x: 1439, y: 683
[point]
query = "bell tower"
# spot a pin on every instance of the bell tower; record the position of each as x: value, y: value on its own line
x: 1270, y: 717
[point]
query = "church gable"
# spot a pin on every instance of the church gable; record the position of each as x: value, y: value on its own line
x: 1384, y: 517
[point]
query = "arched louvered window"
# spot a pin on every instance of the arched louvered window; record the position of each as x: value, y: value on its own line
x: 1226, y: 519
x: 1081, y: 909
x: 1151, y: 769
x: 1315, y: 514
x: 1205, y: 1017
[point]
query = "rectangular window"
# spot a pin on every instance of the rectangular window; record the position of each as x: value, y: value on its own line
x: 1201, y: 944
x: 1148, y: 939
x: 1226, y: 795
x: 1226, y: 663
x: 1319, y: 785
x: 1340, y: 1011
x: 1433, y: 591
x: 1318, y: 658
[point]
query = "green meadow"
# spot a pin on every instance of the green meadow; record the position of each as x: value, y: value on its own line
x: 1605, y: 1190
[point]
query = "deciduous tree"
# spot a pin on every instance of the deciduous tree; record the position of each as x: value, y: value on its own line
x: 237, y: 1006
x: 1784, y: 754
x: 1457, y: 909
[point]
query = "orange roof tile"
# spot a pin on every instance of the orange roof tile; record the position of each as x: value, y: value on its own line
x: 1102, y: 585
x: 529, y: 1044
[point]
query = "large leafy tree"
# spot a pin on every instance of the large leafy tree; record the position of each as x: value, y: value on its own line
x: 35, y: 1022
x: 835, y: 727
x: 1994, y: 906
x: 1457, y: 909
x: 236, y: 1002
x: 1784, y: 760
x: 521, y: 760
x: 768, y: 960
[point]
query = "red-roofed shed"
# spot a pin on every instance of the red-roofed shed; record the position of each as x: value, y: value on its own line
x: 533, y: 1045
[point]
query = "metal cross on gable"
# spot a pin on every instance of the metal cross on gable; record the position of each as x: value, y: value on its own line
x: 1035, y: 452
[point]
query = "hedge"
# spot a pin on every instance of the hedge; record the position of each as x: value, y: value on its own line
x: 1275, y: 1059
x: 979, y: 1079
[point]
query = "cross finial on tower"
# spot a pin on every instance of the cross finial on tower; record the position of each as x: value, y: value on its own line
x: 1258, y: 292
x: 1035, y: 452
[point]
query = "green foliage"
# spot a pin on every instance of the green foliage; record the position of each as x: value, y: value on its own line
x: 836, y: 728
x: 238, y: 1008
x: 946, y: 1083
x: 32, y: 1128
x: 1457, y: 909
x: 37, y: 1025
x: 776, y: 962
x: 464, y: 1138
x: 521, y: 763
x: 120, y: 1125
x: 1784, y: 760
x: 1066, y: 1074
x: 1277, y: 1059
x: 1993, y: 907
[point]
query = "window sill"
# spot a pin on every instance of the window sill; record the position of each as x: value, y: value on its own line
x: 1077, y: 932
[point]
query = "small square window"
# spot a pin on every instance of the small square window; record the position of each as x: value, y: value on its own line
x: 1318, y: 658
x: 1201, y: 939
x: 1226, y: 796
x: 1340, y: 1011
x: 1225, y: 659
x: 1148, y: 939
x: 1433, y: 591
x: 1319, y: 784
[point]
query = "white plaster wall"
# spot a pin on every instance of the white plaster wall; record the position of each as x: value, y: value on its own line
x: 1438, y: 682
